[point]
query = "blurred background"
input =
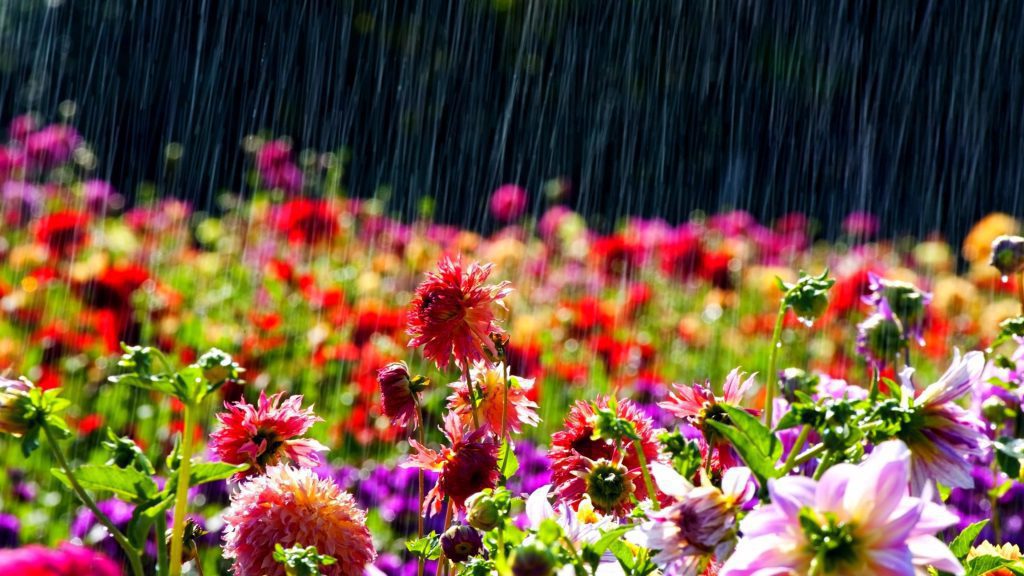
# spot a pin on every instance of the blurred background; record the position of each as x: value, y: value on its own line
x: 911, y: 110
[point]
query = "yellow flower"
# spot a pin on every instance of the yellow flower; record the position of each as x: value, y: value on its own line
x: 978, y: 243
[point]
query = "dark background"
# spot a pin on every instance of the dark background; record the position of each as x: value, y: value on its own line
x: 914, y: 110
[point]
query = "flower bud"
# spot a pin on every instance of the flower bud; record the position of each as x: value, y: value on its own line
x: 483, y: 512
x: 533, y: 559
x: 398, y: 390
x: 994, y: 409
x: 1008, y: 254
x: 880, y: 338
x: 15, y: 406
x: 218, y: 366
x: 809, y: 296
x: 460, y: 542
x: 609, y: 484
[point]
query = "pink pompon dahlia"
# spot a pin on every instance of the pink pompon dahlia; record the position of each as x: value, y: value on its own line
x: 697, y: 404
x: 859, y: 519
x: 575, y: 454
x: 468, y: 465
x: 266, y: 434
x: 452, y: 315
x: 942, y: 436
x: 293, y: 506
x: 489, y: 386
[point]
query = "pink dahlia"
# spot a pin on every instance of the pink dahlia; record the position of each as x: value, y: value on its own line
x: 942, y: 436
x: 489, y: 386
x: 699, y: 526
x: 293, y: 506
x: 266, y: 434
x: 574, y: 453
x: 508, y: 202
x: 859, y: 519
x: 67, y: 560
x: 697, y: 404
x: 468, y: 465
x: 452, y: 314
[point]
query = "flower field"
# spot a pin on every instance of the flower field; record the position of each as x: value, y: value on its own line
x: 295, y: 381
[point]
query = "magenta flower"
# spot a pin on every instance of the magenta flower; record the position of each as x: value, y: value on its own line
x: 508, y: 202
x: 943, y: 436
x: 67, y: 560
x: 266, y: 434
x: 859, y: 519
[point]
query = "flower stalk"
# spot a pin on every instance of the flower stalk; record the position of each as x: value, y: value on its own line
x: 181, y: 497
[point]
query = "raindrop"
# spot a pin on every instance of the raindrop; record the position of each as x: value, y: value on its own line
x: 1005, y: 279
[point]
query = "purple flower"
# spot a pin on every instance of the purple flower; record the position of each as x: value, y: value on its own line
x: 861, y: 224
x: 942, y: 436
x: 906, y: 301
x: 51, y: 146
x: 86, y: 528
x: 10, y: 528
x: 859, y: 519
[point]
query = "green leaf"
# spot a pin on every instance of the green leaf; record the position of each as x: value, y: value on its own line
x: 1010, y: 455
x: 962, y: 544
x: 204, y: 472
x: 126, y: 483
x: 608, y: 538
x: 754, y: 442
x: 428, y: 547
x: 985, y: 564
x: 507, y: 460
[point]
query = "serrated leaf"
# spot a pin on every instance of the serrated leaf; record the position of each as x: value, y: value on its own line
x: 126, y: 483
x: 961, y: 545
x: 754, y: 442
x: 507, y: 460
x: 428, y: 547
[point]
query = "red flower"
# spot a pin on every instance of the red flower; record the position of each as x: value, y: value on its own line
x: 451, y: 313
x: 265, y: 434
x: 307, y: 221
x: 466, y: 467
x: 113, y: 288
x: 398, y: 395
x: 574, y: 451
x: 62, y: 231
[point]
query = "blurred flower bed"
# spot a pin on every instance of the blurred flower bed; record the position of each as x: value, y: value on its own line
x: 308, y: 290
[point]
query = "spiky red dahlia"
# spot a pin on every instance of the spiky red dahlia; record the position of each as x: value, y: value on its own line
x: 573, y: 450
x: 468, y: 465
x: 489, y: 384
x: 452, y: 315
x: 293, y: 506
x: 265, y: 434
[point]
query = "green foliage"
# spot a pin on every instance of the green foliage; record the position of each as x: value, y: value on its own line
x: 299, y: 561
x: 755, y: 443
x: 427, y: 547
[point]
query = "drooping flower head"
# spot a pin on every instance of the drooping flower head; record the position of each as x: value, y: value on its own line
x: 880, y: 337
x: 941, y: 435
x: 14, y: 404
x: 859, y: 519
x: 452, y: 315
x: 700, y: 526
x: 266, y: 434
x: 398, y: 394
x: 489, y: 384
x: 697, y: 404
x: 293, y: 506
x: 466, y: 466
x: 575, y: 453
x: 906, y: 301
x: 1008, y: 254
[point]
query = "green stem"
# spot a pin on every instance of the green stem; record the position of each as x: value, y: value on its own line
x: 134, y: 558
x: 473, y: 396
x: 824, y: 464
x: 807, y: 455
x: 795, y: 451
x: 651, y: 492
x: 504, y: 424
x: 161, y: 543
x: 419, y: 516
x: 771, y: 377
x: 442, y: 562
x: 501, y: 563
x: 181, y: 498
